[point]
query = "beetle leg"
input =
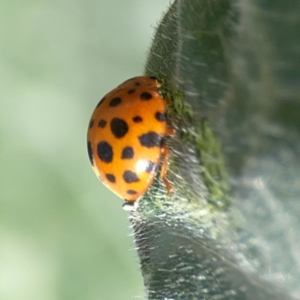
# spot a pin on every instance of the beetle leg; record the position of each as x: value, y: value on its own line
x: 164, y: 167
x: 170, y: 131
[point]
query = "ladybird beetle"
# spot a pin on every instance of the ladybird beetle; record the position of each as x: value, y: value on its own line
x: 126, y: 138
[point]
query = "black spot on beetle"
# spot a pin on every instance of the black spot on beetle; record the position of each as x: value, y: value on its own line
x: 131, y: 91
x: 118, y: 127
x: 91, y: 124
x: 131, y: 192
x: 105, y: 152
x: 161, y: 117
x: 137, y: 84
x: 102, y: 123
x: 153, y: 77
x: 137, y: 119
x: 130, y: 177
x: 100, y: 102
x: 90, y: 152
x: 127, y: 153
x: 145, y: 96
x: 111, y: 178
x: 115, y: 102
x: 150, y: 139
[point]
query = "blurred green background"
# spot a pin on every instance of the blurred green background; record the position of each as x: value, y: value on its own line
x: 63, y: 235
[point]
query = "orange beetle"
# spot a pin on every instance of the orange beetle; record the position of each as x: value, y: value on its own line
x: 126, y: 138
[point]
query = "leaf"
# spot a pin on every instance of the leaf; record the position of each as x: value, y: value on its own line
x: 230, y: 230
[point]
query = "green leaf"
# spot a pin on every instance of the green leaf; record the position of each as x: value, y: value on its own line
x: 230, y: 230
